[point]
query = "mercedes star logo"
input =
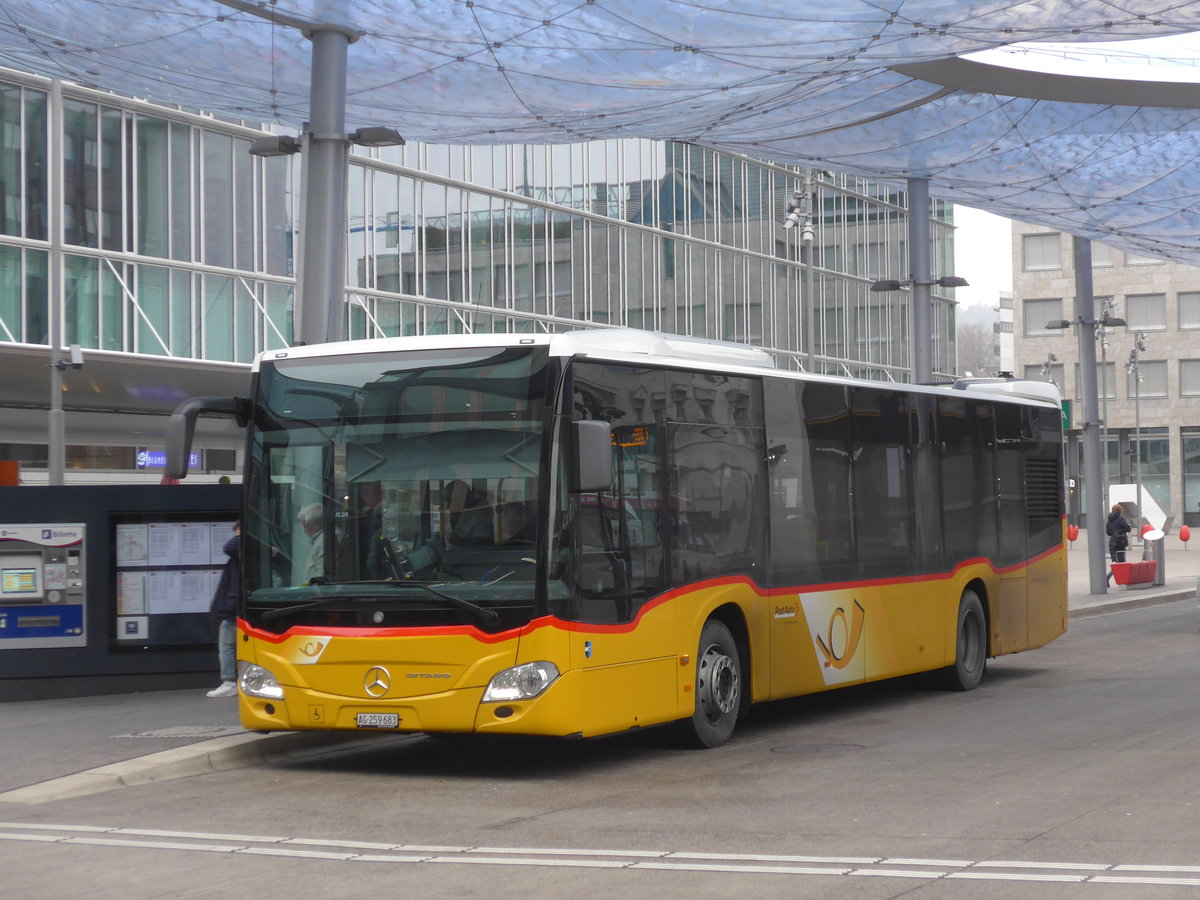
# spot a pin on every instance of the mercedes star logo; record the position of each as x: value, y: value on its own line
x: 377, y: 681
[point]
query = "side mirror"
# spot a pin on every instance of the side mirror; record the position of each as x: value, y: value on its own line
x: 592, y: 468
x: 182, y: 426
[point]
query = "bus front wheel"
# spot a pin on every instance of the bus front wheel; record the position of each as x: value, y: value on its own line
x: 718, y: 688
x: 970, y: 657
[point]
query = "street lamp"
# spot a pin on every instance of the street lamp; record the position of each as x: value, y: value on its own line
x: 892, y: 284
x: 922, y: 350
x: 1089, y: 394
x: 1099, y: 331
x: 1134, y: 371
x: 1107, y: 320
x: 1048, y: 370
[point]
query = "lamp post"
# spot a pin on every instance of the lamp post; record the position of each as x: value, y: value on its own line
x: 1133, y: 368
x: 798, y: 216
x: 801, y: 211
x: 325, y: 145
x: 921, y: 361
x: 1085, y: 306
x: 1106, y: 308
x: 1100, y: 331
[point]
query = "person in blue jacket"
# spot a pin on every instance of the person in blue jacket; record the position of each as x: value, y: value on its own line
x: 224, y: 609
x: 1118, y: 533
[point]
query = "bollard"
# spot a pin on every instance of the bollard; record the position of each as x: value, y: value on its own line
x: 1159, y: 555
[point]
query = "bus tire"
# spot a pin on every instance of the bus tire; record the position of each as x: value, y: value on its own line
x: 970, y: 653
x: 718, y: 688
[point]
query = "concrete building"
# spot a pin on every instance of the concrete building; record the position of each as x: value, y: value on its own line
x: 153, y: 240
x: 1151, y: 423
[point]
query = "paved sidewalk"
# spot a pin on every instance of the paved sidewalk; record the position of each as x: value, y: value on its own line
x: 72, y: 747
x: 1182, y: 569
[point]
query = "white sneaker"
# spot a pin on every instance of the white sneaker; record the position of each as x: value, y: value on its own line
x: 227, y: 689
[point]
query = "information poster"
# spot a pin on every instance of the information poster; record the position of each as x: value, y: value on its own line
x: 166, y: 573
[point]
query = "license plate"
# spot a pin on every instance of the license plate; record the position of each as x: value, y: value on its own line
x: 377, y: 720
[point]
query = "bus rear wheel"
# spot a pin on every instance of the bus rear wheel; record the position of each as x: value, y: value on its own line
x: 970, y: 657
x: 718, y: 688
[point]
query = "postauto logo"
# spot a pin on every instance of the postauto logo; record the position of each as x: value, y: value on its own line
x: 836, y: 621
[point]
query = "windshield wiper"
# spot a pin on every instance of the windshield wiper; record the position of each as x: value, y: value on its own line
x: 483, y: 614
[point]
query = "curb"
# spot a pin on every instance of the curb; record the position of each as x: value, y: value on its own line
x: 216, y: 755
x: 1133, y: 601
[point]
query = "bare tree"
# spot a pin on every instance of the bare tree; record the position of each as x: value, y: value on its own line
x: 976, y: 349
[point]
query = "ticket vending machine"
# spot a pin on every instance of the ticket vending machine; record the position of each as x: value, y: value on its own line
x: 42, y: 586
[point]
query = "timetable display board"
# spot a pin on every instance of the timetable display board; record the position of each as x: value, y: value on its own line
x: 165, y: 570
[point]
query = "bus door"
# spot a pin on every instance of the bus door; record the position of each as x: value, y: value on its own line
x: 614, y: 563
x: 1011, y: 619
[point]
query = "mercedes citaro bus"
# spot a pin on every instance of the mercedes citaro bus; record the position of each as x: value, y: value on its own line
x: 585, y: 533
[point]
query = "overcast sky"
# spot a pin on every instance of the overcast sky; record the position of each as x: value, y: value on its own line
x: 982, y: 255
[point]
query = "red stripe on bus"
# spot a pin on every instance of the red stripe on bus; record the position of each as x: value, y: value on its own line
x: 623, y: 627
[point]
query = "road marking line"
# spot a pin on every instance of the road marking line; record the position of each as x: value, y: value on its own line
x: 716, y: 867
x: 676, y: 861
x: 349, y: 845
x: 202, y: 836
x: 287, y: 851
x: 538, y: 851
x: 1015, y: 876
x: 154, y: 845
x: 541, y: 861
x: 45, y: 838
x: 1025, y: 864
x: 830, y: 860
x: 431, y: 848
x: 55, y: 827
x: 379, y: 857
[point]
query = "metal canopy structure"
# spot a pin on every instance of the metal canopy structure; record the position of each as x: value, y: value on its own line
x: 878, y: 90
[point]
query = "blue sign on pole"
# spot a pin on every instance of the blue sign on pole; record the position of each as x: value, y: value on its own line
x: 156, y: 459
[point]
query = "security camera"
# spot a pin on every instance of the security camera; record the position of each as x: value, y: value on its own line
x: 796, y: 213
x: 76, y: 356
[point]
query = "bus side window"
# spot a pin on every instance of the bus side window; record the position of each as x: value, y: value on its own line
x: 714, y: 505
x: 966, y: 438
x: 808, y: 453
x: 882, y: 487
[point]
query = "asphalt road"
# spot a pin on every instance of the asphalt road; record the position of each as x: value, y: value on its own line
x: 1073, y: 771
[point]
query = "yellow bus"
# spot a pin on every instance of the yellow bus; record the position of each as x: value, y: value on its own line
x: 586, y: 533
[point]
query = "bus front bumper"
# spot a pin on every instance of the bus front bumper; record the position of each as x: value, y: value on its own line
x: 554, y: 712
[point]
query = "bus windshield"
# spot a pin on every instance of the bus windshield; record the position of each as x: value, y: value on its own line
x: 395, y: 489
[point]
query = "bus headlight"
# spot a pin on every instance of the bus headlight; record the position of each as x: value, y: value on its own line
x: 522, y: 682
x: 255, y: 681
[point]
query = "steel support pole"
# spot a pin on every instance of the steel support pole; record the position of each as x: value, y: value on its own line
x: 321, y: 280
x: 56, y: 450
x: 920, y: 274
x: 1093, y: 476
x: 1136, y: 456
x: 807, y: 245
x: 1102, y: 381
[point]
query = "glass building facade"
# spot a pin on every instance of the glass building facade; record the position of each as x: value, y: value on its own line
x: 173, y: 240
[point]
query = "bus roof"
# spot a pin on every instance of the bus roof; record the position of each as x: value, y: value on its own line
x: 635, y: 345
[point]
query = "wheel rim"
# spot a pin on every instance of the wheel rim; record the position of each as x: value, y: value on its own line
x: 719, y: 684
